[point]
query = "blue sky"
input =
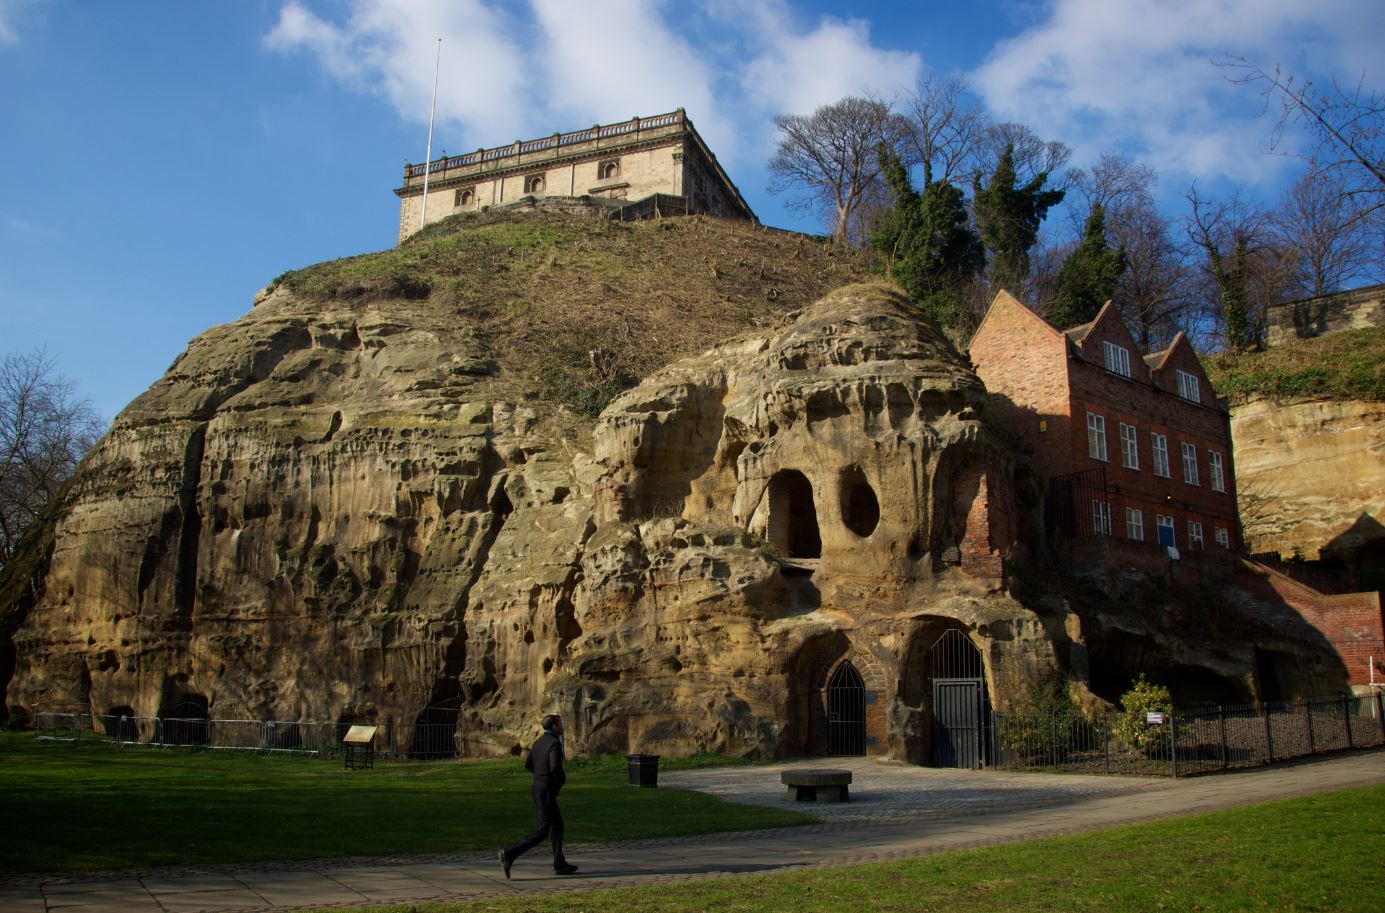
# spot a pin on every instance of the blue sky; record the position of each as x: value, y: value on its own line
x: 164, y: 160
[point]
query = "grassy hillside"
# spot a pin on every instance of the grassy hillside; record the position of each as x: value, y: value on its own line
x: 572, y: 309
x: 1348, y: 365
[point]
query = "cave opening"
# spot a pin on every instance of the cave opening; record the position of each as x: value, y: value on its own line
x: 793, y: 518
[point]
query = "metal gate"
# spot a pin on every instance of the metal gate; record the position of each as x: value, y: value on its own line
x: 957, y: 722
x: 961, y: 706
x: 846, y: 711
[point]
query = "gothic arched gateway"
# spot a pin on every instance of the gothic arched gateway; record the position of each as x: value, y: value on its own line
x: 960, y: 702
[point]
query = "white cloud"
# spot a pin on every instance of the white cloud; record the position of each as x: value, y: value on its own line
x: 389, y: 47
x: 1137, y: 75
x: 514, y: 71
x: 10, y: 12
x: 607, y: 60
x: 797, y: 71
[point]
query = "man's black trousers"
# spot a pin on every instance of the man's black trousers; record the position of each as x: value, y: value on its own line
x: 550, y: 825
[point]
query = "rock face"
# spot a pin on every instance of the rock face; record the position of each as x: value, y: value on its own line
x: 795, y: 543
x: 1312, y: 477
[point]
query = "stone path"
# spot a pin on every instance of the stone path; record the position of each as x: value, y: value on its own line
x: 897, y: 811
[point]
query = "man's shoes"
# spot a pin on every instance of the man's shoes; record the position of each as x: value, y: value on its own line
x: 566, y: 868
x: 505, y: 863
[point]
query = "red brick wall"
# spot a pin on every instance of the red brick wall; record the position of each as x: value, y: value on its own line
x: 1023, y: 360
x: 1352, y: 622
x: 983, y: 513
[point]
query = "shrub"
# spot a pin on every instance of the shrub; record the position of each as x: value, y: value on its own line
x: 1043, y: 726
x: 1132, y: 726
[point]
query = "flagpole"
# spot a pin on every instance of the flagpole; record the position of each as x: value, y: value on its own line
x: 428, y: 151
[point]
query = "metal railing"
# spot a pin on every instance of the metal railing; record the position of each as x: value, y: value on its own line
x: 1188, y: 740
x: 402, y: 741
x: 547, y: 142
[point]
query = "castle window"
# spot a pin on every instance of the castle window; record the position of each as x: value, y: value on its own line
x: 1188, y: 387
x: 1218, y: 473
x: 465, y: 197
x: 1130, y: 453
x: 1135, y: 524
x: 1165, y: 529
x: 1117, y: 359
x: 1161, y: 454
x: 1096, y: 436
x: 1194, y: 534
x: 533, y: 183
x: 608, y: 171
x: 1223, y: 537
x: 1190, y: 464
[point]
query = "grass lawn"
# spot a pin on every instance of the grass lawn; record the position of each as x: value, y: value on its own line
x: 92, y: 807
x: 1322, y: 853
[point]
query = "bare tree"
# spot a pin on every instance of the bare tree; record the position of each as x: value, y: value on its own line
x: 830, y: 157
x: 1241, y: 262
x: 45, y: 428
x: 945, y: 127
x: 1328, y: 240
x: 1348, y: 124
x: 1032, y: 156
x: 1115, y: 183
x: 1155, y: 295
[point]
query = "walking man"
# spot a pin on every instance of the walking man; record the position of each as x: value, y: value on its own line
x: 545, y: 761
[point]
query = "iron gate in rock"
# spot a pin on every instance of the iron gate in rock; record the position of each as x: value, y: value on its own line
x: 846, y: 711
x: 961, y: 705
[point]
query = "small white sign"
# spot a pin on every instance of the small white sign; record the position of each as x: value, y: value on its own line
x: 1154, y: 716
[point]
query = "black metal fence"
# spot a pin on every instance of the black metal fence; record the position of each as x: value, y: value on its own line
x: 1188, y: 740
x: 412, y: 741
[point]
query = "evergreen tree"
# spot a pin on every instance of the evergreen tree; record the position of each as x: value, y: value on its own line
x: 1089, y: 274
x: 1009, y: 219
x: 929, y: 248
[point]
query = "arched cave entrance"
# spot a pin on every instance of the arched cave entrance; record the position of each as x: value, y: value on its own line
x: 793, y: 518
x: 846, y: 711
x: 186, y: 721
x: 945, y: 681
x: 435, y: 727
x: 120, y: 724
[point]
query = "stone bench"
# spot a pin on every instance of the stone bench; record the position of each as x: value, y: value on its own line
x: 817, y: 785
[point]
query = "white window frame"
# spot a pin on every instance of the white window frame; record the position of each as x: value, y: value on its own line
x: 1130, y: 447
x: 1101, y: 517
x: 1218, y: 473
x: 1117, y: 358
x: 1195, y: 535
x: 1162, y: 521
x: 1189, y: 463
x: 1135, y: 524
x: 1096, y: 437
x: 1160, y: 443
x: 1188, y: 387
x: 1223, y: 537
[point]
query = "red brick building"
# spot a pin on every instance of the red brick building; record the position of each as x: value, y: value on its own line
x: 1132, y: 446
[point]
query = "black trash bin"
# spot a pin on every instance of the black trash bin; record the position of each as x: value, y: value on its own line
x: 644, y: 769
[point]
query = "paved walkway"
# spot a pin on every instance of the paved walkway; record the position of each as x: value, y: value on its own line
x: 897, y: 811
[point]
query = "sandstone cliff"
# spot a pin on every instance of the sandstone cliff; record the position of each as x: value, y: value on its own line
x: 379, y: 496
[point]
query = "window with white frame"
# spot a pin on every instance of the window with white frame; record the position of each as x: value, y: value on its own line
x: 1135, y: 524
x: 1218, y: 474
x: 1223, y: 537
x: 1130, y: 449
x: 1165, y: 530
x: 1096, y: 436
x: 1161, y: 454
x: 1189, y: 463
x: 1117, y: 359
x: 1101, y: 518
x: 1194, y: 534
x: 1188, y: 387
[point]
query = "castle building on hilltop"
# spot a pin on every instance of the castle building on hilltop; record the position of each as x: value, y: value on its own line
x: 645, y: 163
x: 1134, y: 446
